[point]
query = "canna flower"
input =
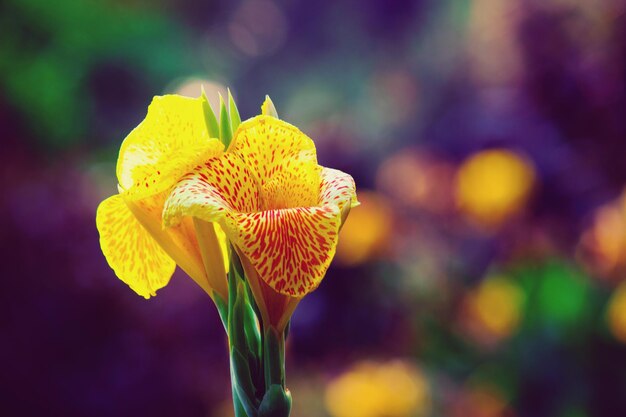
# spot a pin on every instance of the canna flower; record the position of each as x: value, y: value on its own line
x: 280, y: 210
x: 168, y: 143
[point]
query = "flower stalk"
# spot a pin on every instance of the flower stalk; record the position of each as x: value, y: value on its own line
x: 257, y: 355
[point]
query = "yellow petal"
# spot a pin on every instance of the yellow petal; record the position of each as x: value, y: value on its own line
x: 179, y: 242
x: 129, y: 249
x: 213, y: 247
x: 171, y: 140
x: 264, y: 142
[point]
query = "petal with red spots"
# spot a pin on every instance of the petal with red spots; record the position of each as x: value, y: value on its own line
x: 337, y: 188
x: 290, y: 249
x: 264, y: 142
x: 132, y: 253
x: 213, y: 190
x: 295, y: 184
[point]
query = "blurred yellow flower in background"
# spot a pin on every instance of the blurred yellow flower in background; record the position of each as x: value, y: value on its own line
x: 493, y: 310
x: 367, y: 231
x: 369, y: 389
x: 616, y: 313
x: 603, y: 245
x: 493, y: 185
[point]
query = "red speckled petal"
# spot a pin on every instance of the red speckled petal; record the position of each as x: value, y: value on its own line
x: 132, y: 253
x: 295, y: 184
x: 220, y: 186
x: 290, y: 249
x: 264, y: 142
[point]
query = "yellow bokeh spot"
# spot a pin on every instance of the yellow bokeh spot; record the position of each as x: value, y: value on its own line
x: 603, y: 245
x: 492, y: 185
x: 366, y: 231
x: 495, y: 307
x: 393, y: 389
x: 609, y: 233
x: 616, y: 313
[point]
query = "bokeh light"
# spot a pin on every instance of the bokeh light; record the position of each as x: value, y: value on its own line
x: 192, y: 87
x: 258, y: 27
x: 370, y: 389
x: 616, y: 313
x: 493, y: 185
x: 418, y: 181
x: 493, y: 310
x: 603, y: 245
x: 359, y: 244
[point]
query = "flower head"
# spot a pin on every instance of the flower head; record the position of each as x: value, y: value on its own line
x: 281, y: 210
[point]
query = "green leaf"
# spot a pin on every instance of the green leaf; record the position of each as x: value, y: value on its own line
x: 235, y: 119
x: 226, y: 133
x: 243, y: 382
x: 239, y: 410
x: 209, y: 117
x: 236, y: 329
x: 252, y: 330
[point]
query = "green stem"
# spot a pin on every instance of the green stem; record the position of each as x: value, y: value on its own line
x: 257, y: 366
x: 239, y: 410
x: 277, y: 399
x: 274, y: 357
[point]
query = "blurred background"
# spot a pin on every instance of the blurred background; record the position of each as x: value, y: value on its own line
x: 482, y: 276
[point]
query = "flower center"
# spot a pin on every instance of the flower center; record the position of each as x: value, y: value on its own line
x: 294, y: 184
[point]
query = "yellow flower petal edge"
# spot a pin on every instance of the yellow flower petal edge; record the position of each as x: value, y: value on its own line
x: 282, y: 211
x: 134, y: 255
x: 171, y: 140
